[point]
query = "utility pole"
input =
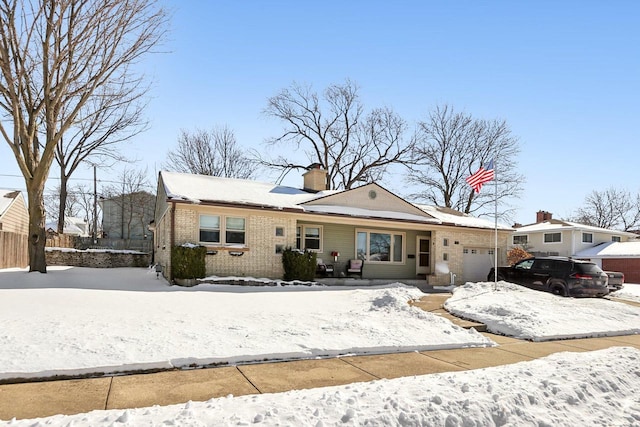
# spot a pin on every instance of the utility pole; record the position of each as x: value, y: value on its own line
x: 95, y: 207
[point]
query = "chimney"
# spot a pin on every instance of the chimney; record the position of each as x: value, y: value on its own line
x: 543, y: 216
x: 315, y: 178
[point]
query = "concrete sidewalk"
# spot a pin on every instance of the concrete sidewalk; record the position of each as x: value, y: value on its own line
x: 41, y: 399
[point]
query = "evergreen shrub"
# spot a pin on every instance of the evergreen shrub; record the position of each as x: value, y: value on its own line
x: 187, y: 262
x: 298, y: 265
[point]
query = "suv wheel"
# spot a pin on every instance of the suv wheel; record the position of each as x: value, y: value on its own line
x: 558, y: 289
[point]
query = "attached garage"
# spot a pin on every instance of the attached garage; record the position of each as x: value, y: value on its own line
x: 616, y: 256
x: 476, y: 263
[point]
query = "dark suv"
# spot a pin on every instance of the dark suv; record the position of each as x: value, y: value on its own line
x: 558, y: 275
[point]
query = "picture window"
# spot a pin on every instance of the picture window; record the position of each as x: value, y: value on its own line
x: 380, y: 246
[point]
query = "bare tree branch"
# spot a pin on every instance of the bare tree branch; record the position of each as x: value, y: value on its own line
x: 56, y: 57
x: 214, y: 152
x: 334, y: 132
x: 449, y: 146
x: 133, y: 201
x: 108, y: 119
x: 612, y: 208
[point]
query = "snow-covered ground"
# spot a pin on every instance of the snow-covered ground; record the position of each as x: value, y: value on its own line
x: 515, y: 311
x: 75, y: 320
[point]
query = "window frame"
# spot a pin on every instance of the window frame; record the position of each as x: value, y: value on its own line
x: 525, y: 236
x: 585, y: 235
x: 616, y: 239
x: 544, y: 238
x: 392, y: 246
x: 243, y: 231
x: 223, y: 230
x: 301, y: 237
x: 219, y: 229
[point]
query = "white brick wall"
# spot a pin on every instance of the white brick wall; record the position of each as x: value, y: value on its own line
x: 475, y: 238
x: 258, y: 259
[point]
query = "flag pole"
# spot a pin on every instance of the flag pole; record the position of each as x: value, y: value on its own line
x: 495, y: 222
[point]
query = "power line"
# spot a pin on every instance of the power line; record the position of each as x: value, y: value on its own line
x: 80, y: 179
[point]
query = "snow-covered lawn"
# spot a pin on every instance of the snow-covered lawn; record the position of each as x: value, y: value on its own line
x: 630, y: 291
x: 82, y: 320
x: 74, y: 320
x: 519, y: 312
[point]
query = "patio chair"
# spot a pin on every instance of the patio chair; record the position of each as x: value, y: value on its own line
x: 323, y: 269
x: 354, y: 267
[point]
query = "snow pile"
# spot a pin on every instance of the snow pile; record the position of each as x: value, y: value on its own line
x: 629, y: 292
x: 564, y: 389
x: 145, y: 324
x: 519, y: 312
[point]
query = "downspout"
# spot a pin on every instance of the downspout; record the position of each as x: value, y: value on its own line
x: 172, y: 238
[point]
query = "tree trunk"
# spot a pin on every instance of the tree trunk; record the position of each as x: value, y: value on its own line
x: 63, y: 201
x: 37, y: 235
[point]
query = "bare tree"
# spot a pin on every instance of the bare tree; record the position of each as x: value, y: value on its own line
x: 112, y: 116
x: 52, y: 204
x: 128, y: 206
x: 214, y: 152
x: 612, y: 208
x: 78, y: 203
x: 56, y: 57
x: 450, y: 146
x: 334, y: 132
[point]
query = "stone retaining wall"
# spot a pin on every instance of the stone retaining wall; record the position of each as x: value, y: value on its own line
x: 97, y: 259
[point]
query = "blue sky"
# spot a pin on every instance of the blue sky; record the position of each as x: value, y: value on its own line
x: 564, y: 75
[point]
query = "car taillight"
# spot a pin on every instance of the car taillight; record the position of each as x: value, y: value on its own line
x: 582, y: 276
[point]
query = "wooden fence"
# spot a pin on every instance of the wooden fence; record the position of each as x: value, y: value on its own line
x: 82, y: 243
x: 60, y: 240
x: 13, y: 250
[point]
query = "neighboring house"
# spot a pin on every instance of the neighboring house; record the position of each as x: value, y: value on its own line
x: 14, y: 216
x: 73, y: 226
x: 128, y: 216
x: 246, y: 225
x: 616, y: 256
x: 14, y: 229
x: 552, y: 237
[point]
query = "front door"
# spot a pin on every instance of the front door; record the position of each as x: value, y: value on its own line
x: 423, y: 256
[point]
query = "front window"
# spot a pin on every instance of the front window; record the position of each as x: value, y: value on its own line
x: 553, y: 237
x: 520, y: 240
x: 312, y: 238
x: 214, y: 227
x: 309, y: 237
x: 615, y: 238
x: 235, y: 232
x: 376, y: 246
x: 587, y: 238
x: 210, y: 228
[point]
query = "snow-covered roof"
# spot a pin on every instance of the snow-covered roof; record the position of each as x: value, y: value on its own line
x: 558, y: 225
x: 72, y: 225
x: 368, y: 213
x: 6, y: 199
x: 611, y: 250
x: 450, y: 216
x: 203, y: 188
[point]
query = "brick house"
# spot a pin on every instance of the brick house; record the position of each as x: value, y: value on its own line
x: 245, y: 226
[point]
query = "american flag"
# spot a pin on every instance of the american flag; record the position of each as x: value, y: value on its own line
x: 483, y: 175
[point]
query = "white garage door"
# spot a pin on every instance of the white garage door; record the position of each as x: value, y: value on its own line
x: 476, y: 264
